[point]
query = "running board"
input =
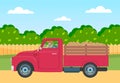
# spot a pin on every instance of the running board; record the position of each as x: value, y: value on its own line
x: 102, y: 69
x: 71, y: 69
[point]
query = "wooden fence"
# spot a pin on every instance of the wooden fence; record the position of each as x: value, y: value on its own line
x: 114, y: 49
x: 14, y: 49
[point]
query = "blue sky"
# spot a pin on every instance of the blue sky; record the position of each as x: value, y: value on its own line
x: 43, y: 14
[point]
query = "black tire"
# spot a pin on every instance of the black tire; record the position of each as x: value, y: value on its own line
x: 90, y: 70
x: 25, y: 69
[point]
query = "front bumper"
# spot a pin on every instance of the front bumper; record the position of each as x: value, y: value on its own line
x: 12, y: 68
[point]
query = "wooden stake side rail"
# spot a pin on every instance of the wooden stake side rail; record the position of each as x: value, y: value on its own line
x: 86, y: 50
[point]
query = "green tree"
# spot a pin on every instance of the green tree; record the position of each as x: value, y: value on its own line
x: 84, y: 34
x: 56, y: 32
x: 30, y: 37
x: 110, y: 35
x: 8, y: 34
x: 11, y: 35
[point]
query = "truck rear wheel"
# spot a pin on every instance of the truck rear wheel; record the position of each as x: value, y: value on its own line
x: 90, y: 70
x: 25, y: 69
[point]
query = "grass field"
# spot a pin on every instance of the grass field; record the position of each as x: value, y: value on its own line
x: 114, y: 62
x: 5, y: 62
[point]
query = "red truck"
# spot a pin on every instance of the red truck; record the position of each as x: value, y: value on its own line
x: 50, y: 57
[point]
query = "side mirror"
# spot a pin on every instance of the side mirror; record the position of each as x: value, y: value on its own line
x: 40, y: 48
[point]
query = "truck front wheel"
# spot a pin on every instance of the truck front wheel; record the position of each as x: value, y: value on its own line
x: 25, y: 69
x: 90, y: 70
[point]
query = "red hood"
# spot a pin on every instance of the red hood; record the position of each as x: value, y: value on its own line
x: 27, y: 53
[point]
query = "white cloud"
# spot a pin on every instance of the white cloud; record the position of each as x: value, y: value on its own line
x: 99, y: 9
x: 62, y: 18
x: 20, y: 10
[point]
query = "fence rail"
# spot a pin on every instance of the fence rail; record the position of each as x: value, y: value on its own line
x: 14, y: 49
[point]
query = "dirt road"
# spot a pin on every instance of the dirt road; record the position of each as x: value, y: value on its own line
x: 102, y: 77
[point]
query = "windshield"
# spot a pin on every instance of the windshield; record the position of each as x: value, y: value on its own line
x: 50, y: 44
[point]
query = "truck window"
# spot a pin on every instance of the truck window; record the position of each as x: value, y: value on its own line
x: 50, y: 44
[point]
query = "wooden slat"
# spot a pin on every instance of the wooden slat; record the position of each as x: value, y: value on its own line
x: 75, y: 49
x: 74, y: 46
x: 96, y: 52
x: 75, y: 52
x: 97, y: 47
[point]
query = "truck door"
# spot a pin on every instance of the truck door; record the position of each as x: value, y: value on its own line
x: 49, y: 56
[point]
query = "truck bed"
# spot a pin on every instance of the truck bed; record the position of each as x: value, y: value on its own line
x: 81, y: 60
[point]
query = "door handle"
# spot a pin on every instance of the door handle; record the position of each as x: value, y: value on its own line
x: 54, y: 53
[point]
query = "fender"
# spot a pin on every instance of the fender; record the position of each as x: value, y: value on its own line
x: 19, y: 59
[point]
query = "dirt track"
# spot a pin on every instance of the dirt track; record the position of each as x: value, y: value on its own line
x: 102, y: 77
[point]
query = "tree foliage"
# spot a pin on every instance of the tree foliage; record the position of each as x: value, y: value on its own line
x: 110, y: 35
x: 86, y: 33
x: 30, y: 37
x: 56, y: 32
x: 10, y: 35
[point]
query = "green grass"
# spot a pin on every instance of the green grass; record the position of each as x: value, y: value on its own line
x: 114, y: 62
x: 5, y: 62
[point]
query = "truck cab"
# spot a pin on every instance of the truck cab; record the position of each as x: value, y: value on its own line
x: 50, y: 55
